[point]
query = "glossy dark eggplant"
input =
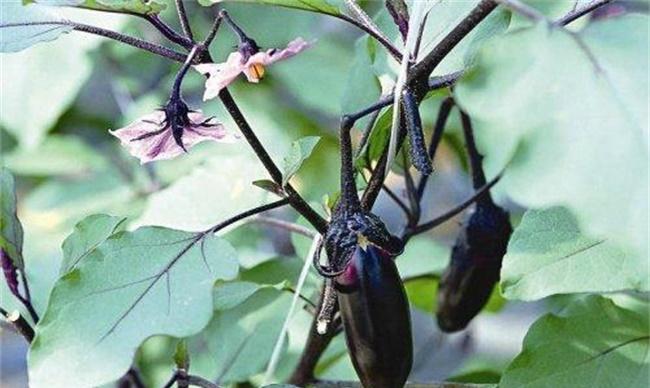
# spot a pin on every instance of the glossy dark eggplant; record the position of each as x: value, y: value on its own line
x: 375, y: 314
x: 466, y: 285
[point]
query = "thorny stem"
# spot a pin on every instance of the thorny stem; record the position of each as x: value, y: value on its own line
x: 182, y: 17
x: 349, y: 197
x: 581, y: 11
x: 19, y: 323
x: 296, y: 201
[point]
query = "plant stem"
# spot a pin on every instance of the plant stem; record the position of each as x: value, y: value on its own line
x: 282, y: 224
x: 315, y: 346
x: 296, y: 201
x: 246, y: 214
x: 168, y: 32
x: 349, y: 197
x: 135, y: 42
x: 475, y: 158
x: 213, y: 31
x: 410, y: 232
x: 182, y: 17
x: 581, y: 11
x: 19, y: 323
x: 523, y: 9
x: 200, y: 382
x: 27, y: 299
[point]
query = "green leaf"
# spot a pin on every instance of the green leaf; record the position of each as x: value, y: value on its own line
x: 43, y: 83
x: 230, y: 294
x: 362, y: 87
x: 11, y: 237
x: 140, y: 7
x: 56, y: 155
x: 17, y: 33
x: 569, y: 114
x: 548, y: 254
x: 240, y: 339
x: 209, y: 194
x: 423, y: 256
x: 593, y: 344
x: 133, y: 286
x: 88, y: 234
x: 270, y: 186
x: 300, y: 151
x: 421, y: 293
x: 319, y: 6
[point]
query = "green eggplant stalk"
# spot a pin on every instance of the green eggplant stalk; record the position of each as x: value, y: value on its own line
x: 467, y: 284
x: 375, y: 314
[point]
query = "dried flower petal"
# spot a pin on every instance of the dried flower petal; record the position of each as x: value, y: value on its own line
x: 223, y: 74
x: 150, y: 137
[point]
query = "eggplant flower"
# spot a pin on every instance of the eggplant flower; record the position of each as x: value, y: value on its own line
x: 170, y: 131
x: 248, y: 59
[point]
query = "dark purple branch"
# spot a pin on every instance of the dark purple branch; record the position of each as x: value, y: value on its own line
x: 581, y: 11
x: 19, y: 323
x: 182, y: 17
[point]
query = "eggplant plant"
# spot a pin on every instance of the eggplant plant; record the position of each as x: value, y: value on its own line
x: 190, y: 268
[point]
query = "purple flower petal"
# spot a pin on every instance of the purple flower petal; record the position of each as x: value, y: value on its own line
x: 223, y: 74
x: 148, y: 139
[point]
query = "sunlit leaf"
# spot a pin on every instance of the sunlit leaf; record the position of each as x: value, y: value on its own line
x: 24, y: 25
x: 548, y: 254
x: 88, y: 234
x: 320, y: 6
x: 300, y: 151
x: 134, y: 285
x: 569, y: 114
x: 593, y: 344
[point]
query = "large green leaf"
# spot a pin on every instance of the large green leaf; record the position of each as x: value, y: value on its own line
x: 549, y: 255
x: 300, y: 151
x: 11, y: 231
x: 569, y: 113
x: 327, y: 7
x: 16, y: 34
x: 88, y: 234
x: 134, y: 285
x: 593, y: 344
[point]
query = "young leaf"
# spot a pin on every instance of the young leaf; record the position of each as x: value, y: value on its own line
x: 131, y: 287
x: 300, y: 151
x: 88, y: 234
x: 11, y: 231
x: 548, y: 254
x: 270, y: 186
x: 319, y: 6
x: 593, y: 344
x: 569, y: 114
x: 17, y: 29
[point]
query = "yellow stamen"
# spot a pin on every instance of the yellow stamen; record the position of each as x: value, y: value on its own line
x: 258, y: 70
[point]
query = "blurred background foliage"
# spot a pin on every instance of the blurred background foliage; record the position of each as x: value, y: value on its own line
x: 59, y: 99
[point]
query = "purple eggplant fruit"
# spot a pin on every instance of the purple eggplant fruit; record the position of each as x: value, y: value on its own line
x: 375, y: 314
x: 466, y: 285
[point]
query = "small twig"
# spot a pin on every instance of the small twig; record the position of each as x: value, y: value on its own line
x: 168, y: 32
x: 135, y: 42
x: 398, y: 201
x: 246, y: 214
x: 182, y: 17
x: 523, y: 9
x: 27, y: 300
x: 301, y: 296
x: 213, y: 31
x: 475, y: 158
x: 286, y: 225
x: 408, y: 233
x: 201, y: 382
x: 19, y: 323
x: 171, y: 381
x: 580, y: 11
